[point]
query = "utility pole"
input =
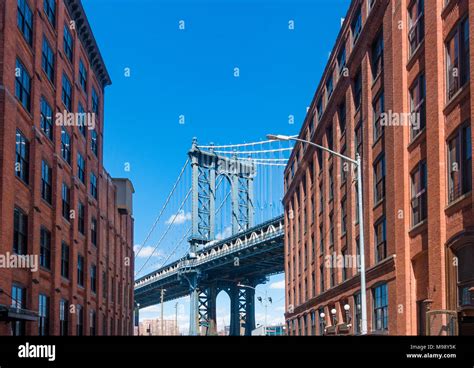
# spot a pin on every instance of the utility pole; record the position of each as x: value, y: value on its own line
x: 161, y: 301
x: 266, y: 309
x: 176, y: 319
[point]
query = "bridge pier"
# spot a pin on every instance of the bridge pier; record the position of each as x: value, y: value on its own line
x: 249, y: 311
x: 207, y: 310
x: 235, y: 317
x: 193, y: 304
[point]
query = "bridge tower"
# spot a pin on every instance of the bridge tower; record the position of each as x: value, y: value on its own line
x: 206, y: 167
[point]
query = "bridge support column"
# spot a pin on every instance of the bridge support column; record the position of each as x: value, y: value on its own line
x: 235, y: 318
x: 207, y: 310
x: 249, y: 311
x: 193, y: 305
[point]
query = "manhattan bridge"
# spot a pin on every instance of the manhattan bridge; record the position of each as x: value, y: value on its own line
x: 220, y: 228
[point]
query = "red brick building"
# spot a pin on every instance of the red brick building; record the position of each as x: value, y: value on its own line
x: 58, y: 205
x: 396, y: 89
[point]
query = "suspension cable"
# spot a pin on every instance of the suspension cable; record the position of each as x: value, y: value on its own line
x: 163, y: 208
x: 166, y: 232
x: 253, y: 152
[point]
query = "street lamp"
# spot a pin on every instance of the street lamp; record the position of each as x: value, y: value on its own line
x: 323, y: 321
x: 358, y: 164
x: 334, y: 318
x: 347, y: 308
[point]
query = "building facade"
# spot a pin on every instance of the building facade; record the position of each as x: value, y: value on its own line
x: 396, y: 90
x: 153, y: 327
x: 58, y: 205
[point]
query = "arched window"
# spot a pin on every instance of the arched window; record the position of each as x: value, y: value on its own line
x: 465, y: 277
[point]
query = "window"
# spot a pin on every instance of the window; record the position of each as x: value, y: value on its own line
x: 66, y: 93
x: 319, y: 155
x: 358, y: 139
x: 18, y: 302
x: 344, y: 166
x: 43, y: 315
x: 342, y: 117
x: 22, y: 85
x: 417, y: 106
x: 332, y: 274
x: 331, y: 185
x: 341, y: 59
x: 93, y: 278
x: 81, y: 218
x: 46, y: 182
x: 331, y: 229
x: 63, y: 317
x: 45, y: 248
x: 344, y: 269
x: 418, y: 194
x: 321, y: 239
x: 329, y: 138
x: 380, y: 308
x: 378, y: 107
x: 465, y: 276
x: 321, y: 278
x: 20, y: 232
x: 112, y: 289
x: 95, y: 102
x: 93, y: 190
x: 94, y: 142
x: 81, y: 168
x: 68, y: 45
x: 50, y: 10
x: 46, y: 118
x: 377, y: 56
x: 66, y: 201
x: 82, y: 120
x: 416, y: 25
x: 104, y: 284
x: 329, y: 88
x: 82, y: 75
x: 92, y: 323
x: 319, y: 108
x: 22, y: 157
x: 357, y: 314
x: 343, y: 216
x: 47, y: 60
x: 313, y: 323
x: 94, y: 232
x: 356, y: 25
x: 357, y: 241
x: 380, y: 240
x: 79, y: 320
x: 66, y: 146
x: 64, y: 260
x: 457, y: 58
x: 379, y: 179
x: 460, y: 163
x: 80, y: 270
x: 25, y: 20
x: 358, y: 90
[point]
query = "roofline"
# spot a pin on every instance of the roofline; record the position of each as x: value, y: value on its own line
x: 321, y: 84
x: 83, y: 28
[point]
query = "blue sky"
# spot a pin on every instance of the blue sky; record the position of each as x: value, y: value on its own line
x: 190, y: 72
